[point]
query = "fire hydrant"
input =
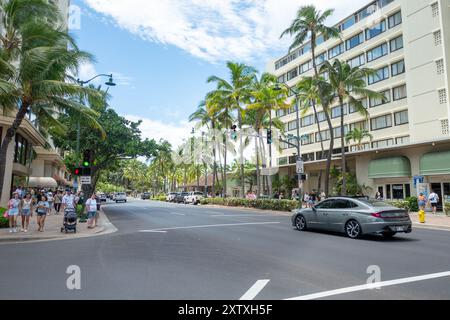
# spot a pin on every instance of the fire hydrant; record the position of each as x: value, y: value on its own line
x: 422, y: 216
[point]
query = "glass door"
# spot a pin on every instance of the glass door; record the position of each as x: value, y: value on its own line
x: 437, y: 188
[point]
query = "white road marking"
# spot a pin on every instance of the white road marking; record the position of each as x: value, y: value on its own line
x: 254, y: 290
x: 178, y: 214
x: 153, y: 231
x: 236, y: 215
x: 212, y: 226
x: 372, y: 286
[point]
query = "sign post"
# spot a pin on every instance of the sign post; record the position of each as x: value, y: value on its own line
x: 85, y: 180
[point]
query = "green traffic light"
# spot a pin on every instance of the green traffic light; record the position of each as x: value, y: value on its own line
x: 86, y: 164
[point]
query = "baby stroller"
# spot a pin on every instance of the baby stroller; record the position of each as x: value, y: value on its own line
x: 70, y: 221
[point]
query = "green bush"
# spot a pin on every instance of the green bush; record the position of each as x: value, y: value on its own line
x: 413, y: 204
x: 264, y: 204
x: 160, y: 197
x: 447, y: 209
x: 4, y: 223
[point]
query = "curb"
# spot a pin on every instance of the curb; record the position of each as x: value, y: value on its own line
x: 280, y: 213
x: 430, y: 226
x: 106, y: 228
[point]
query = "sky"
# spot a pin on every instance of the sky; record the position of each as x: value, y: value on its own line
x: 162, y: 51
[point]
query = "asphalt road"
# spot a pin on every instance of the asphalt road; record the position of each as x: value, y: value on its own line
x: 188, y: 252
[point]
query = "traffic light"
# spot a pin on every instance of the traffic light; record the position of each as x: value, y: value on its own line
x: 87, y: 158
x: 77, y: 172
x: 269, y: 136
x: 234, y: 134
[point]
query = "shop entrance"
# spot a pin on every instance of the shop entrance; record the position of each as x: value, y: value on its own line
x: 437, y: 188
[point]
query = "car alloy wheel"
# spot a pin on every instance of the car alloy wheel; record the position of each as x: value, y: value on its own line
x: 353, y: 229
x: 300, y: 223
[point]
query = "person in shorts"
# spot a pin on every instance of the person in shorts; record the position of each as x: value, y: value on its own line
x: 42, y: 210
x: 422, y: 202
x: 26, y: 211
x: 13, y: 212
x: 91, y: 209
x: 434, y: 200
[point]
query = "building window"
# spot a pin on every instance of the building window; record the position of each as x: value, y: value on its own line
x: 361, y: 125
x: 382, y: 143
x: 307, y: 121
x: 355, y: 41
x: 375, y: 102
x: 396, y: 43
x: 445, y: 127
x: 292, y: 74
x: 357, y: 61
x: 440, y: 67
x: 22, y: 150
x: 335, y: 51
x: 437, y: 38
x: 442, y: 96
x: 321, y: 116
x: 395, y: 19
x: 305, y: 67
x: 380, y: 75
x: 377, y: 52
x: 282, y: 78
x: 308, y: 139
x: 401, y: 118
x: 435, y: 9
x: 325, y: 135
x: 399, y: 92
x: 308, y: 157
x: 376, y: 30
x: 382, y: 122
x: 402, y: 140
x: 337, y: 132
x: 292, y: 125
x: 282, y: 161
x: 336, y: 112
x: 280, y: 113
x: 398, y: 68
x: 321, y: 58
x: 352, y: 108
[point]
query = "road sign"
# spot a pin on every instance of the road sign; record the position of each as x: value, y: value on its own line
x: 300, y: 166
x: 85, y: 180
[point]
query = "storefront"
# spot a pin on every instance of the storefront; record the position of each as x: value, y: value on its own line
x: 435, y: 167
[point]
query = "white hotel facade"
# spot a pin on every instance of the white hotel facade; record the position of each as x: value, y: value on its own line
x: 407, y: 42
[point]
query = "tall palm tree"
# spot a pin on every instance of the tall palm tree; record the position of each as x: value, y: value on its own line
x: 349, y: 85
x: 358, y: 135
x: 310, y: 23
x: 45, y: 57
x: 265, y: 99
x: 235, y: 94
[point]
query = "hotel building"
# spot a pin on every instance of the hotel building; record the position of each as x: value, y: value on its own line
x: 407, y: 42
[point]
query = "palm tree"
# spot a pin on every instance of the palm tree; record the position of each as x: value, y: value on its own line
x: 310, y: 23
x: 358, y: 135
x: 265, y: 99
x: 235, y: 94
x: 349, y: 85
x: 44, y: 58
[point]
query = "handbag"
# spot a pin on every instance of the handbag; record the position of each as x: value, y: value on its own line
x: 6, y: 215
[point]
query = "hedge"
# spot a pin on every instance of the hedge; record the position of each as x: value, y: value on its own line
x: 4, y: 223
x: 159, y: 198
x: 265, y: 204
x: 447, y: 209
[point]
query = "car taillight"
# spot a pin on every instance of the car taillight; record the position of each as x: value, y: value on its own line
x: 376, y: 215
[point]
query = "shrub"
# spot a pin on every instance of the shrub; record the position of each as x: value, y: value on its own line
x: 4, y: 223
x: 447, y: 209
x: 160, y: 197
x: 413, y: 203
x: 264, y: 204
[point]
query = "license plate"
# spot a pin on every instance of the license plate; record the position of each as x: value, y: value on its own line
x: 399, y: 229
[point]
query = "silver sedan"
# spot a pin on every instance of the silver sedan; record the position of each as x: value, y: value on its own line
x: 354, y: 217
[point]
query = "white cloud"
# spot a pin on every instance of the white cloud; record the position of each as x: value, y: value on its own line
x: 174, y: 132
x: 214, y: 30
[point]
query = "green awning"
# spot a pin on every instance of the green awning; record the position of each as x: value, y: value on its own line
x: 435, y: 163
x: 394, y: 167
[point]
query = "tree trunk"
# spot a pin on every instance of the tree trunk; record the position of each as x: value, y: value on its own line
x: 10, y: 134
x: 241, y: 150
x: 258, y: 172
x: 344, y: 165
x: 329, y: 156
x: 224, y: 182
x: 198, y: 178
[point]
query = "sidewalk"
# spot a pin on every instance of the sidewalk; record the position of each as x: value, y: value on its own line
x: 438, y: 221
x: 52, y: 230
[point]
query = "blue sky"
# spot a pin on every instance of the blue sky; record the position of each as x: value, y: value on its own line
x: 162, y: 51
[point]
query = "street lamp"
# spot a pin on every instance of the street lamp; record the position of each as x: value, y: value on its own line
x: 109, y: 83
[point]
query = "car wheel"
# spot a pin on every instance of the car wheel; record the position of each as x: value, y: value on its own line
x: 389, y: 235
x: 300, y: 223
x: 353, y: 229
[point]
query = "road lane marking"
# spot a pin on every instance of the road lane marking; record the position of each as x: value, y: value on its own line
x: 254, y: 290
x: 153, y: 231
x: 178, y: 214
x: 370, y: 286
x: 212, y: 226
x: 237, y: 215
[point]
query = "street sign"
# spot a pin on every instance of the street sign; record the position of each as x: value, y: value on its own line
x: 300, y: 166
x: 85, y: 180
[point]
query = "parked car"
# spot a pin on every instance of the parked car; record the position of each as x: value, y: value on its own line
x: 194, y: 197
x: 171, y: 197
x: 180, y: 197
x: 145, y: 196
x: 120, y: 197
x: 102, y: 197
x: 354, y: 217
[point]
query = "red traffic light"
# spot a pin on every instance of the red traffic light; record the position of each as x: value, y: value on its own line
x: 77, y: 172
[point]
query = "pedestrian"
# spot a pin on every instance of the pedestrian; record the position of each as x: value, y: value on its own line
x: 378, y: 196
x: 434, y: 200
x: 13, y: 212
x: 91, y: 209
x: 26, y: 211
x: 281, y: 196
x: 58, y: 200
x: 306, y: 200
x: 68, y: 201
x: 422, y: 202
x: 50, y: 200
x: 323, y: 196
x: 312, y: 199
x: 19, y: 191
x: 43, y: 209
